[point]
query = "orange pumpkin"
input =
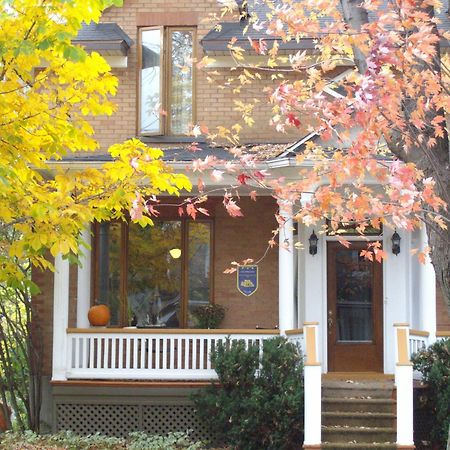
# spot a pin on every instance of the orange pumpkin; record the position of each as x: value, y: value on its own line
x: 99, y: 315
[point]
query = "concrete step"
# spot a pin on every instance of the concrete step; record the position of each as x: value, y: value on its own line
x: 358, y: 383
x: 358, y: 419
x: 357, y: 446
x: 356, y: 392
x: 364, y: 435
x: 374, y: 405
x: 357, y: 388
x: 360, y: 377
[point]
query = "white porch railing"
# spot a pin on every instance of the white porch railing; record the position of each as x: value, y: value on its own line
x: 442, y: 335
x: 404, y: 385
x: 152, y: 354
x: 313, y: 387
x: 296, y: 337
x: 418, y: 340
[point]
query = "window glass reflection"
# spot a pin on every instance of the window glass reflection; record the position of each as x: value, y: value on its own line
x: 154, y: 274
x: 354, y: 296
x: 199, y: 266
x: 181, y: 82
x: 151, y: 81
x: 109, y: 242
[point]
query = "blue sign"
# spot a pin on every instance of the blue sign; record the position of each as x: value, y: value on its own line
x: 247, y: 279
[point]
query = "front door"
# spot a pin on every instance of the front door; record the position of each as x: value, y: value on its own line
x: 355, y: 310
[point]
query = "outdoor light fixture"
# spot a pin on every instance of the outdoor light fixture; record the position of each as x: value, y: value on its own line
x: 175, y: 253
x: 313, y: 239
x: 396, y: 243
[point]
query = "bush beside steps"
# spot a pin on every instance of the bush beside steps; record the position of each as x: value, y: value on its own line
x: 434, y: 364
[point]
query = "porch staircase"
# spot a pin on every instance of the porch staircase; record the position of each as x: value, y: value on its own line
x: 358, y: 413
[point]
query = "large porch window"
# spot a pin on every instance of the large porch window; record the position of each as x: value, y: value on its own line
x: 153, y: 276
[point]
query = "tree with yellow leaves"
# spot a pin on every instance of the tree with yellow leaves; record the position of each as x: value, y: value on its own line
x: 48, y: 90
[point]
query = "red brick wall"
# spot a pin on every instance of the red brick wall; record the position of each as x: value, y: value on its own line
x: 237, y: 239
x: 214, y: 106
x: 442, y: 313
x: 136, y: 13
x: 43, y: 317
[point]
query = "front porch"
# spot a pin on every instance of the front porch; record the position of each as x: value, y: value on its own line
x: 310, y: 290
x: 294, y: 295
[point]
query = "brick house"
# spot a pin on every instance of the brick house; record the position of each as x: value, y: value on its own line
x: 123, y: 378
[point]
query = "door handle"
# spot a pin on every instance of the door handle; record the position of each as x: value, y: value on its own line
x: 330, y: 320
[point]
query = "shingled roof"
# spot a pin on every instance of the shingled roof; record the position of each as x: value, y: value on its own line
x: 108, y: 38
x: 217, y: 39
x: 179, y: 153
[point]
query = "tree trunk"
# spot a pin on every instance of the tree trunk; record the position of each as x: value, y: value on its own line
x: 439, y: 241
x: 355, y: 16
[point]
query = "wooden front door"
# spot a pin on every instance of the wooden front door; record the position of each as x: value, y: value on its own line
x: 355, y: 310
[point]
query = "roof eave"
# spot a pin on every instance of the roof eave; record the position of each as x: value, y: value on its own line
x: 119, y: 47
x: 219, y: 45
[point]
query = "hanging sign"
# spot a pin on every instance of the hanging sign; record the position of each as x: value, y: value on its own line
x: 247, y: 279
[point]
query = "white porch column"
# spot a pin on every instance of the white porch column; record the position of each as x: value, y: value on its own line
x: 397, y: 290
x: 404, y: 385
x: 301, y: 276
x: 313, y: 387
x: 286, y: 310
x: 60, y: 317
x: 427, y: 293
x: 84, y: 283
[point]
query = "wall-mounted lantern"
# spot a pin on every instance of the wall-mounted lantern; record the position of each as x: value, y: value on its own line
x: 313, y: 240
x: 396, y: 243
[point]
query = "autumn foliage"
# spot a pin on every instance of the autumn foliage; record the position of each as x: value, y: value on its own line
x: 370, y: 95
x: 49, y: 89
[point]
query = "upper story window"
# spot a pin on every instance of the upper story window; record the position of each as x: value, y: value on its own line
x: 166, y: 80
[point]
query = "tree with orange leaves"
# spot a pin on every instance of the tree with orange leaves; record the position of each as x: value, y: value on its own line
x: 378, y: 151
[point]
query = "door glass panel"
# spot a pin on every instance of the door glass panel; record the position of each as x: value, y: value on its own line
x: 354, y: 297
x: 154, y: 274
x: 151, y: 81
x: 199, y: 244
x: 109, y: 240
x: 181, y: 81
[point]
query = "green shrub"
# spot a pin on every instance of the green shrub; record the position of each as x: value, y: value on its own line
x: 258, y: 403
x: 174, y: 441
x: 434, y: 364
x: 209, y: 315
x: 63, y: 440
x: 70, y: 441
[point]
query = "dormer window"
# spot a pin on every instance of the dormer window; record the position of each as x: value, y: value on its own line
x: 166, y: 80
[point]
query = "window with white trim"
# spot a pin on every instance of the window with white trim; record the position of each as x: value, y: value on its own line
x: 166, y: 81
